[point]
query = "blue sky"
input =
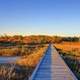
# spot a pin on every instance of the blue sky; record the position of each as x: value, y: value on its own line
x: 40, y: 17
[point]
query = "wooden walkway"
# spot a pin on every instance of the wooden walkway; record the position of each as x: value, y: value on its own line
x: 52, y: 67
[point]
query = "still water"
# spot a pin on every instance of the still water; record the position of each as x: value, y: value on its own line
x: 8, y: 59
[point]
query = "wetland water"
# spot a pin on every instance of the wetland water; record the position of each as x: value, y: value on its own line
x: 8, y: 59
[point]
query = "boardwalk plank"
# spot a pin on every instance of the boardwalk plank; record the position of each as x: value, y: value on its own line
x: 52, y: 67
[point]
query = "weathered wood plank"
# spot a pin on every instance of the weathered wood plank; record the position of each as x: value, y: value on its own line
x: 52, y: 67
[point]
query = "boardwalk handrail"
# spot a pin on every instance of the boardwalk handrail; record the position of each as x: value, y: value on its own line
x: 36, y: 69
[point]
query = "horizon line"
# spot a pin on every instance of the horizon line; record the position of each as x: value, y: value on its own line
x: 30, y: 34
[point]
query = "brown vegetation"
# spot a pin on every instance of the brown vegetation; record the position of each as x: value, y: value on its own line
x: 18, y: 39
x: 24, y: 66
x: 18, y: 50
x: 73, y: 47
x: 33, y: 59
x: 31, y: 49
x: 14, y: 72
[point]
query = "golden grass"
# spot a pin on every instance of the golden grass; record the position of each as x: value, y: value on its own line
x: 68, y: 45
x: 72, y: 47
x: 9, y: 51
x: 33, y: 59
x: 18, y: 51
x: 6, y: 73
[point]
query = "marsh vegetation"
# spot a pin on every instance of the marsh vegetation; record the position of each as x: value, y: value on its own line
x: 30, y: 50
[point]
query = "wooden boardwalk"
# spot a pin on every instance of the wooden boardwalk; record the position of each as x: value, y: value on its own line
x: 52, y: 67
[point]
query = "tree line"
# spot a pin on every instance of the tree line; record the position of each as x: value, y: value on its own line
x: 19, y: 39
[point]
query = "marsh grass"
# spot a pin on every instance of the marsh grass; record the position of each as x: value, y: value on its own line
x: 24, y: 66
x: 33, y: 59
x: 14, y: 72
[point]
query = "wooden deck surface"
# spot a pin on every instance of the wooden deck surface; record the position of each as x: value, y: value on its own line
x: 52, y: 67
